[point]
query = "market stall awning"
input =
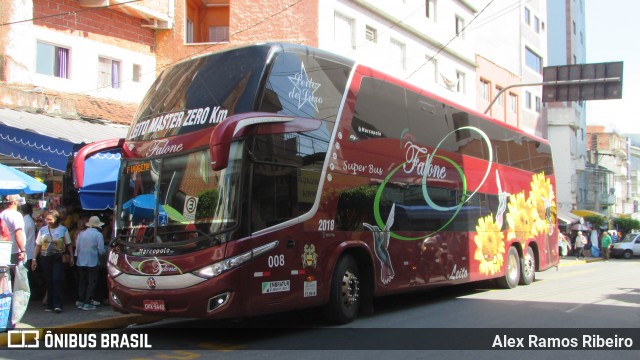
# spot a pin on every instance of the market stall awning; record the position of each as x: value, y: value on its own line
x: 47, y: 140
x: 583, y: 213
x: 568, y: 218
x: 100, y: 176
x: 33, y: 147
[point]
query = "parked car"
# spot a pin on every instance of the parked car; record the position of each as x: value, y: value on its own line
x: 628, y: 247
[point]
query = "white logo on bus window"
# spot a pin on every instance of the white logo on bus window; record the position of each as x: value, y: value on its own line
x: 304, y: 89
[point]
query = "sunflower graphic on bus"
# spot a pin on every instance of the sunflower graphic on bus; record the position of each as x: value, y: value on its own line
x: 527, y: 217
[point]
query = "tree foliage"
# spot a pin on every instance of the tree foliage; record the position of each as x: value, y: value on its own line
x: 625, y: 224
x: 595, y: 220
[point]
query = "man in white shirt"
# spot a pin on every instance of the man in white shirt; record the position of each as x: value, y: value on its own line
x: 15, y: 222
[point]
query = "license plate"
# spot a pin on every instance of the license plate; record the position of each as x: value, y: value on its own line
x: 154, y: 305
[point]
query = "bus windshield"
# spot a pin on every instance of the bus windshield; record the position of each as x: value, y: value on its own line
x: 178, y: 198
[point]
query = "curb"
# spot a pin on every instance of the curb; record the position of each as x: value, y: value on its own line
x: 572, y: 262
x: 116, y: 322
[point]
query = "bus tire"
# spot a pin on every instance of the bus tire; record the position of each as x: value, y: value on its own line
x: 512, y: 273
x: 528, y: 267
x: 344, y: 301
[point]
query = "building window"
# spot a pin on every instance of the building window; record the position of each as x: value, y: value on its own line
x: 137, y: 73
x: 527, y: 16
x: 533, y: 60
x: 371, y: 34
x: 52, y: 60
x: 343, y: 31
x: 432, y: 66
x: 485, y: 87
x: 513, y: 102
x: 431, y: 10
x: 108, y: 73
x: 219, y: 34
x: 536, y: 24
x: 206, y: 23
x: 461, y: 85
x: 460, y: 27
x: 398, y: 54
x: 527, y: 100
x: 189, y: 31
x: 574, y: 27
x: 538, y: 104
x: 500, y: 100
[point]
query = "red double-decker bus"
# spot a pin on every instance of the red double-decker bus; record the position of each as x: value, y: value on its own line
x: 275, y: 176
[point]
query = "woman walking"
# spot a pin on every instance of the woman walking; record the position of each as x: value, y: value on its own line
x: 53, y: 241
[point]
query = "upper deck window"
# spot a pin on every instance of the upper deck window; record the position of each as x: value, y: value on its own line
x: 305, y: 86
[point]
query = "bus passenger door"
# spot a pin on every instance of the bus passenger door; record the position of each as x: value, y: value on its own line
x: 273, y: 204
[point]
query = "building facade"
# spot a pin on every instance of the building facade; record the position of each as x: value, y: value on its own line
x: 611, y: 151
x: 567, y: 128
x: 513, y: 40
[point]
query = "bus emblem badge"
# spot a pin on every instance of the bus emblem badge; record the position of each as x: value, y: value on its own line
x: 309, y: 257
x: 151, y: 283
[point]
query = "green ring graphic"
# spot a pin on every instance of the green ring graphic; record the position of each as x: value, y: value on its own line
x: 458, y: 207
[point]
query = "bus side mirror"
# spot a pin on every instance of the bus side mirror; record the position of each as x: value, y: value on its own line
x: 236, y: 126
x: 220, y: 143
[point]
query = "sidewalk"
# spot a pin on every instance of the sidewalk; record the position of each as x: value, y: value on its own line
x: 101, y: 318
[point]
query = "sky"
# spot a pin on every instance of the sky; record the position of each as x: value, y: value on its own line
x: 612, y: 35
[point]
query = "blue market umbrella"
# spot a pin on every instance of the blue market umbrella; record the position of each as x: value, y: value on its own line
x: 14, y: 181
x: 142, y: 206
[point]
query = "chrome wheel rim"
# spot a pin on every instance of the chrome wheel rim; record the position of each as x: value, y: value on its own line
x: 350, y: 289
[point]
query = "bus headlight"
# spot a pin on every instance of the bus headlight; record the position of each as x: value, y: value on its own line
x: 218, y: 268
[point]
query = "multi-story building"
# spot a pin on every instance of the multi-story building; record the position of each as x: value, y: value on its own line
x: 608, y: 150
x: 634, y: 178
x: 71, y: 73
x: 420, y: 41
x: 567, y: 120
x: 511, y: 43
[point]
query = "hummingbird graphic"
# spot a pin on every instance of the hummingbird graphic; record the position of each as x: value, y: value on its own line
x: 381, y: 245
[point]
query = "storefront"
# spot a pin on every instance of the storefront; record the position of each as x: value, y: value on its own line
x: 43, y: 146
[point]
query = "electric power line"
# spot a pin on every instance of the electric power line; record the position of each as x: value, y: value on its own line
x: 70, y: 12
x: 450, y: 41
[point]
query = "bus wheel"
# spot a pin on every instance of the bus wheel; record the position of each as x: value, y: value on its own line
x: 512, y: 275
x: 344, y: 302
x: 528, y: 268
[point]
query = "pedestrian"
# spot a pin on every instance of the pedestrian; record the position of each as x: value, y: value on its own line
x: 14, y: 222
x: 89, y: 247
x: 30, y: 240
x: 564, y: 244
x: 29, y: 232
x: 606, y: 245
x: 581, y: 241
x: 52, y: 243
